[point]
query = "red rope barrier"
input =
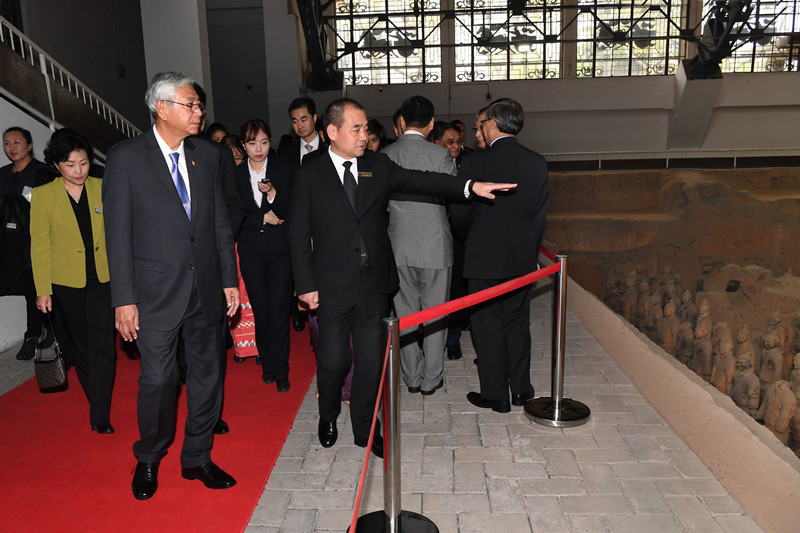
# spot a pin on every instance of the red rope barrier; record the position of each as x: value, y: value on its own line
x: 415, y: 319
x: 548, y: 253
x: 371, y: 438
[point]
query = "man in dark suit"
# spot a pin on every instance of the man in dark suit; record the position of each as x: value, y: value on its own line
x: 346, y: 275
x: 173, y: 272
x: 303, y: 114
x: 502, y: 243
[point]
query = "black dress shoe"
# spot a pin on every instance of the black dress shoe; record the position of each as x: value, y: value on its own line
x: 221, y: 427
x: 477, y: 400
x: 327, y: 433
x: 211, y: 475
x: 377, y: 445
x: 267, y: 378
x: 145, y: 480
x: 103, y: 429
x: 522, y: 399
x: 238, y: 359
x: 283, y: 385
x: 437, y: 387
x: 298, y: 325
x: 414, y: 390
x: 454, y: 352
x: 28, y: 349
x: 258, y: 359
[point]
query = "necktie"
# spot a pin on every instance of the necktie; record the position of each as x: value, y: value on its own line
x: 309, y: 148
x: 351, y: 189
x: 177, y: 179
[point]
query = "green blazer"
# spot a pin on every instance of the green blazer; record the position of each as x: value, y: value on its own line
x: 57, y: 251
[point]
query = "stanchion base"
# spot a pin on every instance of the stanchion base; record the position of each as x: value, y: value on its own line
x: 542, y: 411
x: 410, y: 522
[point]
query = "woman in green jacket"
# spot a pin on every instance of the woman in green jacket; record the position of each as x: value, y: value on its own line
x: 70, y: 269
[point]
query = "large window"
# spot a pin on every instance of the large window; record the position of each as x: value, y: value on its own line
x: 628, y: 38
x: 389, y: 41
x: 501, y: 40
x: 413, y: 41
x: 778, y: 49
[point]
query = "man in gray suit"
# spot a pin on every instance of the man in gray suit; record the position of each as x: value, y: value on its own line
x: 173, y: 272
x: 423, y: 247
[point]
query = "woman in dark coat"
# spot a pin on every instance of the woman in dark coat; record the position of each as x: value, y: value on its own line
x: 265, y: 186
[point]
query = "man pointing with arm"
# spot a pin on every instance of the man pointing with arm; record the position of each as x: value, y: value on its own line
x: 339, y: 204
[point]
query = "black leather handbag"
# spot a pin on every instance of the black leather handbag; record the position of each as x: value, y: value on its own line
x: 51, y: 374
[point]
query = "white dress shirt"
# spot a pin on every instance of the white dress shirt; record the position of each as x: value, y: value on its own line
x: 182, y: 168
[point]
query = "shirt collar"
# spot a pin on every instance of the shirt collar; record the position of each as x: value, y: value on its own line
x: 501, y: 137
x: 165, y: 149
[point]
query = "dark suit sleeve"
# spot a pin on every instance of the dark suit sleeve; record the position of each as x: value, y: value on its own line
x: 223, y: 233
x: 118, y: 221
x: 462, y: 210
x: 420, y: 182
x: 233, y: 200
x: 280, y: 175
x: 300, y: 234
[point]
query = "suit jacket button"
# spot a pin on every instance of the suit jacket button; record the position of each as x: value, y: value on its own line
x: 191, y: 239
x: 191, y: 267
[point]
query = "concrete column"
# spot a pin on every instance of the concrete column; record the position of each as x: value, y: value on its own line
x: 176, y: 38
x: 283, y: 49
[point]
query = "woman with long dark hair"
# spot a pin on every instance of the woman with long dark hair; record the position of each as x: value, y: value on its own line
x: 265, y: 185
x: 70, y: 268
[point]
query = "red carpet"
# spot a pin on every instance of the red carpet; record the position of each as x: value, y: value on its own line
x: 57, y: 475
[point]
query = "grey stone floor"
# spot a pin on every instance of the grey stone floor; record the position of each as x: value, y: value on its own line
x: 471, y: 470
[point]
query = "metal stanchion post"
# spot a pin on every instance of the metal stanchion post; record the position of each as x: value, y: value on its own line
x: 392, y: 519
x: 556, y: 410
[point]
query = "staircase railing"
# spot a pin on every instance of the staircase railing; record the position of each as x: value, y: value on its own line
x: 53, y: 72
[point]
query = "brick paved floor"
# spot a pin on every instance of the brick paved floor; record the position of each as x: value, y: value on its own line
x: 472, y: 470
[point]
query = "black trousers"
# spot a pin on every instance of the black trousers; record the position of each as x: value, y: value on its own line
x: 501, y: 331
x: 34, y: 319
x: 158, y: 387
x: 336, y: 323
x: 85, y: 328
x: 268, y: 278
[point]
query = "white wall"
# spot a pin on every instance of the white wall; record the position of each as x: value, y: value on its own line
x: 176, y: 38
x: 613, y: 114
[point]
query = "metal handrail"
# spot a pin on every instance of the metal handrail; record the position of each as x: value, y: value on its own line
x: 11, y: 36
x: 600, y: 156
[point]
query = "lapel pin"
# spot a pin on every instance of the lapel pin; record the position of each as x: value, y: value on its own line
x: 98, y: 209
x: 193, y: 163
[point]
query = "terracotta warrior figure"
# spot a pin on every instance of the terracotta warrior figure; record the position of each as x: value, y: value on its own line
x: 687, y: 312
x: 777, y: 409
x: 668, y: 329
x: 745, y: 388
x: 642, y: 306
x: 704, y: 316
x: 678, y: 282
x: 794, y: 331
x: 631, y: 297
x: 776, y: 326
x: 771, y: 363
x: 654, y: 316
x: 743, y: 345
x: 795, y: 382
x: 684, y: 344
x: 723, y: 367
x: 669, y: 295
x: 719, y: 333
x: 702, y: 355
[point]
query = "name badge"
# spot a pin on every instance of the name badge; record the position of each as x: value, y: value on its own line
x: 364, y: 175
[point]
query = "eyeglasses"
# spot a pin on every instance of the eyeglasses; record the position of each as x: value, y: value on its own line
x: 480, y: 122
x: 191, y: 107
